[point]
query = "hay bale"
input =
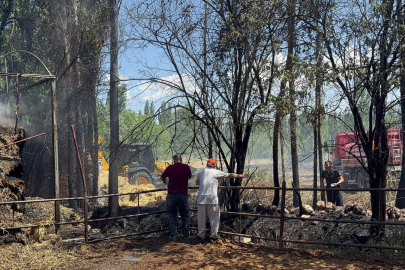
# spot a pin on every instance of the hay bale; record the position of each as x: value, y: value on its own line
x: 38, y: 234
x: 11, y: 186
x: 125, y: 187
x: 11, y: 156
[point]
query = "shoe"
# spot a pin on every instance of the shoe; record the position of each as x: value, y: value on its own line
x: 173, y: 238
x: 186, y: 237
x: 213, y: 239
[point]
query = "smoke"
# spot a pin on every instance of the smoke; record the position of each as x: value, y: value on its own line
x: 6, y: 117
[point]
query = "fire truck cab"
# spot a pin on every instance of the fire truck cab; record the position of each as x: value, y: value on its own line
x: 349, y: 159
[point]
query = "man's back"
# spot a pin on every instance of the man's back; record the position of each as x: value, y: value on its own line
x: 207, y: 180
x: 178, y: 174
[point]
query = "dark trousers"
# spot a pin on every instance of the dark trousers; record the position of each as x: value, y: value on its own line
x: 178, y: 201
x: 335, y: 197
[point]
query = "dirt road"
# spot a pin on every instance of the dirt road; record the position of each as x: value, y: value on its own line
x: 159, y: 253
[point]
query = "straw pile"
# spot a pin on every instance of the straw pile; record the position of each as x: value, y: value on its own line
x: 125, y: 187
x: 11, y: 185
x: 12, y: 189
x: 10, y: 156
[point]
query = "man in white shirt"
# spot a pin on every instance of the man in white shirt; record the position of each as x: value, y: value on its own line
x: 207, y: 201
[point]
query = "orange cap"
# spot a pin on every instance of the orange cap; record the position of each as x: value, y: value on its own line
x: 212, y: 161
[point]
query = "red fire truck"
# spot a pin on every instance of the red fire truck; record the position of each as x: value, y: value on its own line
x: 347, y: 156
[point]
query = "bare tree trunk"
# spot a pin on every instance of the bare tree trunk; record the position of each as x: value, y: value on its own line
x: 318, y: 109
x: 80, y: 142
x: 293, y: 117
x: 69, y: 81
x: 88, y: 144
x: 379, y: 160
x: 282, y: 155
x: 400, y: 199
x: 204, y: 88
x: 315, y: 169
x: 72, y: 180
x: 94, y: 149
x: 113, y: 203
x: 279, y: 117
x: 320, y: 147
x: 276, y: 131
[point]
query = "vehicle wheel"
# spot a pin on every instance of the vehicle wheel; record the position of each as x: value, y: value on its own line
x: 140, y: 178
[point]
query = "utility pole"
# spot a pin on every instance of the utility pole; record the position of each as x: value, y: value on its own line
x: 113, y: 203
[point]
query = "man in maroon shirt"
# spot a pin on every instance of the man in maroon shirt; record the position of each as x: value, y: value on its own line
x: 177, y: 196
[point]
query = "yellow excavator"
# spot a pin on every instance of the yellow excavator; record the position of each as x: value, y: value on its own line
x: 139, y: 163
x: 102, y: 162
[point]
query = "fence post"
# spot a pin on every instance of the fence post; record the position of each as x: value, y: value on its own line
x: 86, y: 218
x: 13, y: 206
x: 55, y: 156
x: 282, y: 211
x: 240, y: 216
x: 139, y: 211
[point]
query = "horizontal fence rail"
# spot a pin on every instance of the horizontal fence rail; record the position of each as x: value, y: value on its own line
x: 240, y: 214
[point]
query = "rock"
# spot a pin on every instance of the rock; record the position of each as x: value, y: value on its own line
x: 308, y: 209
x: 248, y: 207
x: 272, y: 209
x: 261, y: 209
x: 339, y: 208
x: 242, y: 239
x: 320, y: 205
x: 355, y: 208
x: 393, y: 213
x: 330, y: 206
x: 294, y: 211
x: 358, y: 209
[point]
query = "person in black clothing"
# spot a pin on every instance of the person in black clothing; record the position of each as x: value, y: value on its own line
x: 333, y: 180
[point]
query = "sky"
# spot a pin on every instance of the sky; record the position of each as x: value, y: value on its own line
x: 139, y: 92
x: 129, y: 69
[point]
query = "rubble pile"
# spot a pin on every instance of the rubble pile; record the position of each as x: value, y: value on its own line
x: 294, y: 229
x: 319, y: 231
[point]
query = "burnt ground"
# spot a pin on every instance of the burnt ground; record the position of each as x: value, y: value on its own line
x: 159, y: 253
x: 154, y: 251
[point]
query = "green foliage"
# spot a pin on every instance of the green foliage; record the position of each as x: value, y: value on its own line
x: 135, y: 128
x: 165, y: 114
x: 122, y: 97
x: 152, y: 108
x: 146, y: 108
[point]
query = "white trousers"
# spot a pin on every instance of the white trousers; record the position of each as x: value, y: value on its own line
x: 212, y: 211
